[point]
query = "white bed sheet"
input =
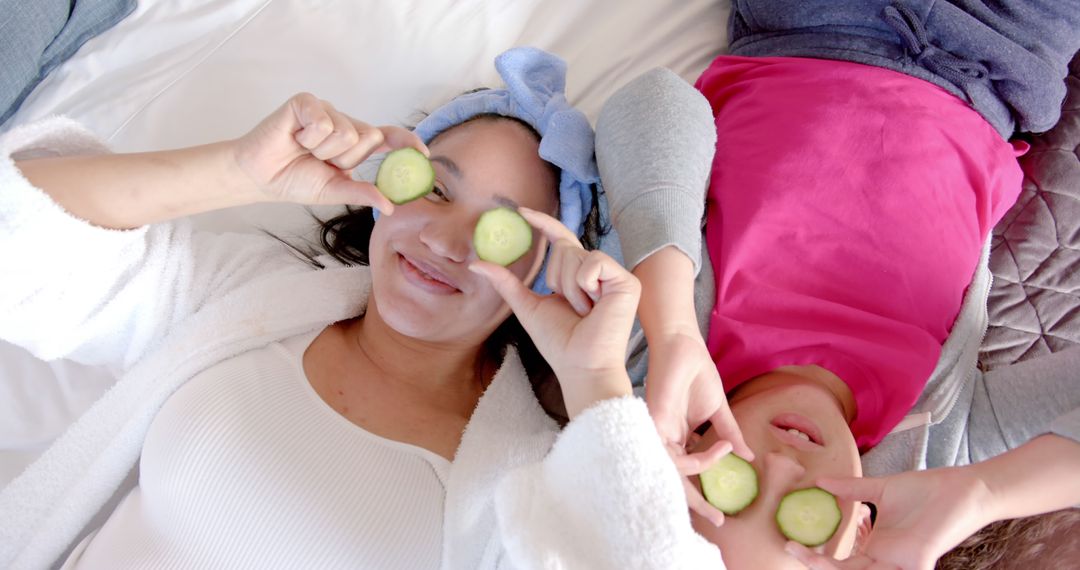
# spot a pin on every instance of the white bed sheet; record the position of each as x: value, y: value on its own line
x: 183, y: 72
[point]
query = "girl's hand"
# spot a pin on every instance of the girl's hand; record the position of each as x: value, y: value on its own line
x: 921, y: 516
x: 305, y: 150
x: 683, y: 391
x: 582, y: 330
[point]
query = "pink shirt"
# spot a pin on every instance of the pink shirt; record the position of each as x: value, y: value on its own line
x: 847, y: 210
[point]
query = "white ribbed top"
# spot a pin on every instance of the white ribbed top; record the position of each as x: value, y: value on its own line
x: 245, y: 466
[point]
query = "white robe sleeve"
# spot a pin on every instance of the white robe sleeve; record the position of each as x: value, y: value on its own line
x: 606, y: 496
x: 99, y: 296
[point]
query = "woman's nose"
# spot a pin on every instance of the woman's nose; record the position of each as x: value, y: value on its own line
x: 448, y: 238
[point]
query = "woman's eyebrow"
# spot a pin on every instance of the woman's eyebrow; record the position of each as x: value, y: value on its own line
x: 450, y: 165
x: 505, y: 201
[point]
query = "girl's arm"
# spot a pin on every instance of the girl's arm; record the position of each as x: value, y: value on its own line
x: 924, y: 514
x: 655, y: 140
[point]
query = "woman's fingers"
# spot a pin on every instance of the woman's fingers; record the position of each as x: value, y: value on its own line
x: 346, y: 137
x: 698, y: 462
x: 312, y: 120
x: 521, y: 300
x: 553, y: 229
x: 697, y: 503
x: 397, y: 137
x: 340, y: 140
x: 567, y: 262
x: 344, y: 190
x: 726, y: 428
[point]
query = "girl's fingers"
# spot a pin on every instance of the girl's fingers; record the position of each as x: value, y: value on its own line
x: 817, y: 561
x: 864, y: 489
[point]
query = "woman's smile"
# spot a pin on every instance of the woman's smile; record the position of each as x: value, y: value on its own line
x: 426, y: 277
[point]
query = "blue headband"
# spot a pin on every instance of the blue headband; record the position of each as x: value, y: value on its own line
x: 535, y: 94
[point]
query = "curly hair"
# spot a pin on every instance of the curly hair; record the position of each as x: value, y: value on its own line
x: 1045, y: 541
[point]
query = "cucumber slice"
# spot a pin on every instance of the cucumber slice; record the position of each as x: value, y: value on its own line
x: 502, y: 236
x: 405, y: 175
x: 730, y: 485
x: 809, y: 516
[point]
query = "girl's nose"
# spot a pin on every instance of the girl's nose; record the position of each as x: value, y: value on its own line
x: 782, y: 472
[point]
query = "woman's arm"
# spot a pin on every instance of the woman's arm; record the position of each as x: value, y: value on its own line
x: 125, y: 191
x: 99, y: 295
x: 606, y: 496
x: 301, y: 153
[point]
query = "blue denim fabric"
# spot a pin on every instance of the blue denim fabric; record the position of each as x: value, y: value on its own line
x: 1007, y: 58
x: 38, y: 35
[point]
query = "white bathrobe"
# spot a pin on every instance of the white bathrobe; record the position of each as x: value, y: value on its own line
x: 158, y: 304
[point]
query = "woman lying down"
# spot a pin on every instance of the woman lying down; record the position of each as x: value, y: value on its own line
x: 373, y: 412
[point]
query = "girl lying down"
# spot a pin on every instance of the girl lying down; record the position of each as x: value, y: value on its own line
x: 373, y: 412
x: 860, y: 164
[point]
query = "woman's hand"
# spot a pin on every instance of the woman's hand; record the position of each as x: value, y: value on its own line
x: 921, y: 516
x: 305, y: 150
x: 582, y: 330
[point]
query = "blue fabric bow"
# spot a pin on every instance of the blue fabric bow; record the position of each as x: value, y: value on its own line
x: 535, y: 93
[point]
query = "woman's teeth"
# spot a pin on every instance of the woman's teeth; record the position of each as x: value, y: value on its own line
x: 798, y: 433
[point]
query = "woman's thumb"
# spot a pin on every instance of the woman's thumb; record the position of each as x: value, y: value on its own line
x: 508, y: 286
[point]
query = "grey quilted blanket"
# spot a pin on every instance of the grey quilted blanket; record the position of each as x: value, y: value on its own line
x: 1035, y: 257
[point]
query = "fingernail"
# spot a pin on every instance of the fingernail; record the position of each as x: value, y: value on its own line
x: 791, y: 549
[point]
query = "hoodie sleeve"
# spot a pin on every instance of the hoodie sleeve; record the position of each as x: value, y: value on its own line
x: 102, y: 296
x: 655, y: 140
x: 606, y: 496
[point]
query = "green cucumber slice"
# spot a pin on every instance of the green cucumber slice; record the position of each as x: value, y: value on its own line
x: 502, y: 236
x: 405, y: 175
x: 730, y: 485
x: 809, y: 516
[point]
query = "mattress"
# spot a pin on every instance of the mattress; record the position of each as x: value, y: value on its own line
x: 1034, y: 303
